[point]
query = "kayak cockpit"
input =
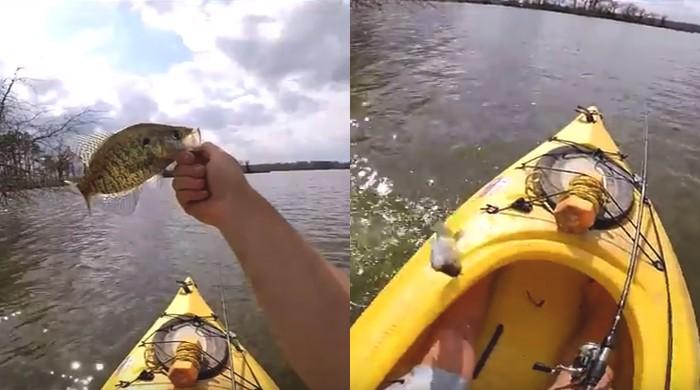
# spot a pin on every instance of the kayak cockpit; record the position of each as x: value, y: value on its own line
x: 536, y: 311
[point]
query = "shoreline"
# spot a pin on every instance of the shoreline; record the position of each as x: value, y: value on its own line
x: 248, y: 169
x: 645, y: 21
x: 252, y: 169
x: 295, y: 166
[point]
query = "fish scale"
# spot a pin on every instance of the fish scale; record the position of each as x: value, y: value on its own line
x: 135, y: 170
x: 119, y: 164
x: 126, y: 168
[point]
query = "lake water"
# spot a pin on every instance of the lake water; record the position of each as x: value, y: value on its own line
x: 444, y: 96
x: 87, y: 288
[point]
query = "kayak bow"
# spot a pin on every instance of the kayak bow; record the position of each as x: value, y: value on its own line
x: 189, y: 319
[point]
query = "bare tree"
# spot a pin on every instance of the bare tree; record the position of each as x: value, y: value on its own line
x: 630, y: 10
x: 612, y: 7
x: 32, y: 149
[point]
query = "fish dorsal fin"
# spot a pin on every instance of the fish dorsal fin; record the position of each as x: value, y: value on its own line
x: 87, y: 145
x: 120, y: 203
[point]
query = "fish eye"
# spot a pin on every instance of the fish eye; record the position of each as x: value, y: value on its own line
x: 176, y: 134
x: 146, y: 141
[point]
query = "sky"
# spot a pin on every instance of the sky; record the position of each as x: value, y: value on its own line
x: 680, y: 10
x: 265, y: 80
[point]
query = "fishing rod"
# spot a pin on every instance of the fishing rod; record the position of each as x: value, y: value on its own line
x: 590, y: 365
x: 600, y: 363
x: 228, y: 332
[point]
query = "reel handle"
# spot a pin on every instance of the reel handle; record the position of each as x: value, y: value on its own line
x: 543, y: 368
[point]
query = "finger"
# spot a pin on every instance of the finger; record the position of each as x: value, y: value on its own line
x: 188, y: 183
x: 207, y: 149
x: 184, y: 157
x: 606, y: 383
x: 194, y: 170
x: 188, y: 196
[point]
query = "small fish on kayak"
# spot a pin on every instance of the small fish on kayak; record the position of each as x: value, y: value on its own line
x: 444, y: 256
x: 117, y: 165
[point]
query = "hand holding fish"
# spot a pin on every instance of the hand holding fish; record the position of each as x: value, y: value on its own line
x: 209, y: 184
x: 284, y: 270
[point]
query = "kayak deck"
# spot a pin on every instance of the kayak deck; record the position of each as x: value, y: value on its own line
x: 141, y: 368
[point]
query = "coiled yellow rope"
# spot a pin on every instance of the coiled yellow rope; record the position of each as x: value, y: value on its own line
x: 588, y: 188
x: 533, y: 186
x: 190, y: 352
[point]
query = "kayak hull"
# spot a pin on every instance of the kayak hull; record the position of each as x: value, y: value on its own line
x: 189, y: 302
x: 540, y: 274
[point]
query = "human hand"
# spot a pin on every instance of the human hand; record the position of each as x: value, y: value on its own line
x: 209, y: 184
x: 565, y: 381
x: 606, y: 382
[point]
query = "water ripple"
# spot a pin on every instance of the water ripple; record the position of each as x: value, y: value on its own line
x: 88, y: 287
x: 455, y: 92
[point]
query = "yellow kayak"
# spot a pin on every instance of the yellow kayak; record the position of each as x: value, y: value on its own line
x: 539, y: 274
x: 190, y: 319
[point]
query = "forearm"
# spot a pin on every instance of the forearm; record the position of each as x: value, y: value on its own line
x: 304, y: 298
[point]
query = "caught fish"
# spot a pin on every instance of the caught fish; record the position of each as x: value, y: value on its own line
x: 444, y: 256
x: 117, y: 165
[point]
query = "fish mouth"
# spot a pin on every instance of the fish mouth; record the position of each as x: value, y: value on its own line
x: 192, y: 140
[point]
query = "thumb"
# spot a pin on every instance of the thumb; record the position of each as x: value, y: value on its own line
x: 207, y: 149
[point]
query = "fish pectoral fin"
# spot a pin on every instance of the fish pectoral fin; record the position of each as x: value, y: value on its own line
x: 86, y: 145
x: 121, y: 203
x: 167, y: 173
x: 158, y: 180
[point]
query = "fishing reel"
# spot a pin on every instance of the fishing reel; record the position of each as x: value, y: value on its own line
x: 580, y: 368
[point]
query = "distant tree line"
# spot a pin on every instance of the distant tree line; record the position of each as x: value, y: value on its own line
x: 601, y: 8
x: 294, y: 166
x: 32, y: 149
x: 609, y: 9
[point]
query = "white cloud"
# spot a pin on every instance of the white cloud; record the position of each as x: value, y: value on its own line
x: 271, y: 115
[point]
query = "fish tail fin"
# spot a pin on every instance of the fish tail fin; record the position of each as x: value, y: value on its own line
x: 73, y: 187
